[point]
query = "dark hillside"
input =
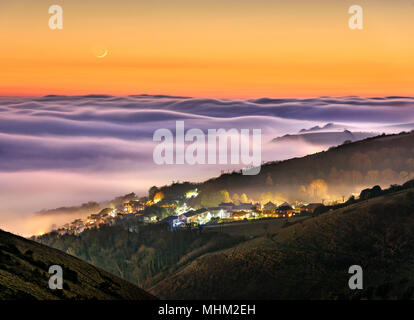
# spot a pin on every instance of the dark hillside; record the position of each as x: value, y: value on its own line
x: 145, y: 256
x: 24, y: 266
x: 310, y: 259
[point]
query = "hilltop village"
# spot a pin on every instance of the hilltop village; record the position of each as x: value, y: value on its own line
x: 179, y: 214
x: 283, y: 189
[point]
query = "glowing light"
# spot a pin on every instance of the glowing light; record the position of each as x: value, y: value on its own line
x: 158, y: 196
x: 191, y: 194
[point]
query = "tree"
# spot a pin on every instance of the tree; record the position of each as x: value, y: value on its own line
x: 213, y: 199
x: 318, y: 189
x: 302, y: 192
x: 351, y: 200
x: 370, y: 193
x: 225, y: 196
x: 236, y: 199
x: 265, y: 197
x: 243, y: 198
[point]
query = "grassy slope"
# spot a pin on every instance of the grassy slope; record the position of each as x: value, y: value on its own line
x: 253, y: 228
x: 144, y: 257
x: 310, y: 259
x: 24, y: 274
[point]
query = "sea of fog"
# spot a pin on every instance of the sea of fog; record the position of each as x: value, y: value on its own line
x: 65, y: 150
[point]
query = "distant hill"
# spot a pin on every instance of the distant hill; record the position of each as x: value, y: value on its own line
x: 328, y: 175
x: 328, y: 126
x: 84, y: 209
x: 325, y: 138
x: 310, y: 259
x: 24, y: 266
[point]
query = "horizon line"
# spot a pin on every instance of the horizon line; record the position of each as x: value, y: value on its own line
x: 160, y: 95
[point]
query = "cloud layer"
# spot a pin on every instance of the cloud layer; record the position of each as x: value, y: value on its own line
x: 60, y: 132
x: 105, y: 142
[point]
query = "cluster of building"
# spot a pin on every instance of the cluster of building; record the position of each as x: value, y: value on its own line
x: 183, y: 216
x: 105, y: 217
x: 285, y: 210
x: 93, y: 221
x: 228, y: 212
x: 133, y: 206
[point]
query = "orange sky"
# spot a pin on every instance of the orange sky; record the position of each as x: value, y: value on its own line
x: 226, y: 48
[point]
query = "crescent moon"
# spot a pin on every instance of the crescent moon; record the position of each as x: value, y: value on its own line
x: 103, y: 55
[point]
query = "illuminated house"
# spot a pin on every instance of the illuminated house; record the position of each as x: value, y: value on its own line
x: 181, y: 209
x: 300, y: 209
x: 269, y: 208
x: 227, y: 206
x: 180, y: 221
x: 219, y: 212
x: 285, y: 209
x: 241, y: 215
x: 171, y: 221
x: 133, y: 206
x: 199, y: 216
x: 127, y: 207
x: 248, y: 207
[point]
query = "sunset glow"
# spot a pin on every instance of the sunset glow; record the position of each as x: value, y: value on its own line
x: 210, y: 48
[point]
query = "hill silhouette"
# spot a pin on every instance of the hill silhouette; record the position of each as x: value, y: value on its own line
x: 324, y: 138
x: 310, y: 259
x: 24, y: 266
